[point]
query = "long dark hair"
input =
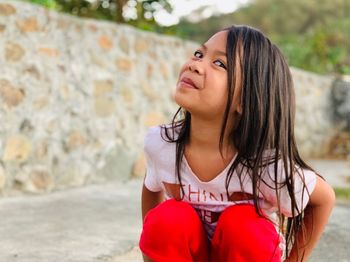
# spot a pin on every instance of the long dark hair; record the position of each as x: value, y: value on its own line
x: 266, y: 120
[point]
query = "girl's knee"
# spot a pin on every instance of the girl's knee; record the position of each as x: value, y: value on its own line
x: 171, y: 217
x: 241, y: 231
x: 171, y: 212
x: 242, y: 224
x: 172, y: 229
x: 236, y: 216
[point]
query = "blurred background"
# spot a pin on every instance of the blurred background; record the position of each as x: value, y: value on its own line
x: 314, y: 35
x: 82, y: 80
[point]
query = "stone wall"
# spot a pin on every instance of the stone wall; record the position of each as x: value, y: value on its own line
x: 314, y: 119
x: 77, y: 95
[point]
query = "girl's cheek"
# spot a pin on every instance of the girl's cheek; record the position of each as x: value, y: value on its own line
x: 184, y: 66
x: 182, y: 69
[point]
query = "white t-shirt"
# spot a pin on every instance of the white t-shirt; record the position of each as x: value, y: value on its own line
x: 210, y: 198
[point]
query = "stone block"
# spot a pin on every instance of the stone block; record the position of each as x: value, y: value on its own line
x: 102, y: 86
x: 7, y: 9
x: 10, y: 95
x: 64, y: 92
x: 93, y: 28
x: 13, y: 52
x: 117, y: 165
x: 26, y: 126
x: 41, y: 180
x: 340, y: 99
x: 154, y: 118
x: 124, y: 44
x: 74, y: 140
x: 339, y: 145
x: 2, y: 177
x: 33, y: 71
x: 141, y: 45
x: 139, y: 167
x: 41, y: 102
x: 18, y: 148
x: 127, y: 95
x: 49, y: 51
x: 105, y: 43
x: 69, y: 175
x: 148, y: 91
x: 27, y: 25
x: 149, y: 71
x: 41, y: 150
x: 124, y: 64
x: 104, y: 106
x: 164, y: 70
x: 34, y: 179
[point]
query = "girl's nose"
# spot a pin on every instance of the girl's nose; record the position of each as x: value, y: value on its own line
x: 194, y: 67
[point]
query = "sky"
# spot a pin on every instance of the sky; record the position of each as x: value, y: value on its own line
x: 185, y: 7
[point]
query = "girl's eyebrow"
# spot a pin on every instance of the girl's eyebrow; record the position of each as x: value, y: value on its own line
x: 215, y: 50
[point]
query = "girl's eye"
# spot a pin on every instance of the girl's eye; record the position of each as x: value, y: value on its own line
x: 219, y: 63
x: 198, y: 54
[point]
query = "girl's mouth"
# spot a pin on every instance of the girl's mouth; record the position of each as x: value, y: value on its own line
x: 187, y: 82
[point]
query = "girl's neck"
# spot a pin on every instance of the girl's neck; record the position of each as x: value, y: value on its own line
x: 205, y: 136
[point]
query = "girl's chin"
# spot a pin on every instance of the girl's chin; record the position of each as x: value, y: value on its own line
x: 180, y: 99
x: 182, y: 103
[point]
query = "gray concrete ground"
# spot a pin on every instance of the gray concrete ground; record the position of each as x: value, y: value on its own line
x: 102, y: 223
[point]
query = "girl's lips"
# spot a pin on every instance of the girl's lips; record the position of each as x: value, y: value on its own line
x: 188, y: 83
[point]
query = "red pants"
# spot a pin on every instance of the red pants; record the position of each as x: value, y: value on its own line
x: 173, y: 232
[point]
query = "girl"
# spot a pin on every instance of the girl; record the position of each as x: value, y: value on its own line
x: 234, y: 184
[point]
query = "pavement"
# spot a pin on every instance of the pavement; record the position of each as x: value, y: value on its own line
x: 102, y: 222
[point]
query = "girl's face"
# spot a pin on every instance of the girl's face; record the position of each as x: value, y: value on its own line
x: 202, y: 85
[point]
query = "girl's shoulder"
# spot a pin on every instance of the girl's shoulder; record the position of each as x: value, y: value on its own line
x: 155, y: 139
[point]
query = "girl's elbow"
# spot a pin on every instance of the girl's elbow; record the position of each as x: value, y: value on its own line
x: 332, y: 197
x: 323, y: 194
x: 329, y: 196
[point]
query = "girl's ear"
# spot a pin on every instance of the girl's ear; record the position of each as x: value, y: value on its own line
x: 236, y: 105
x: 239, y: 108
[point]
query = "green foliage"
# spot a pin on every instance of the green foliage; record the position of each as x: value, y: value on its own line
x: 47, y: 3
x: 142, y: 10
x: 314, y: 52
x: 342, y: 193
x: 313, y: 35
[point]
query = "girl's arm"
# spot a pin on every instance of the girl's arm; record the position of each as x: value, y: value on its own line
x: 316, y: 217
x: 149, y: 200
